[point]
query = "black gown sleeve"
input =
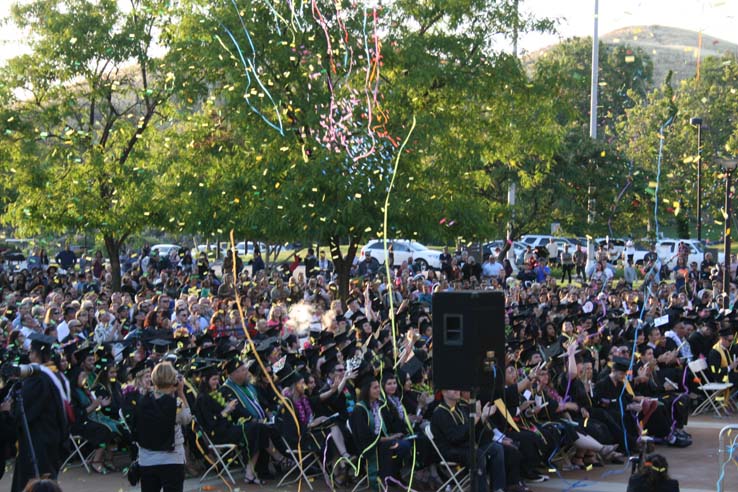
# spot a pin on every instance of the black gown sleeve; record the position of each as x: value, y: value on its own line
x: 364, y: 436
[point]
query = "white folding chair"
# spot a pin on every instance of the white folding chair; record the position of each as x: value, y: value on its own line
x: 458, y: 478
x: 78, y: 442
x: 223, y: 455
x: 712, y: 391
x: 299, y: 466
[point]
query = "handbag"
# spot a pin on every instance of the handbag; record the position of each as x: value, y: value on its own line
x: 134, y: 473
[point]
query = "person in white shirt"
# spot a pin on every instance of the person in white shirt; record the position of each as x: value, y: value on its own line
x: 553, y: 251
x: 491, y: 268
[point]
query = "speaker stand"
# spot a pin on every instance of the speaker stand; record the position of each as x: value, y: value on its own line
x: 473, y: 468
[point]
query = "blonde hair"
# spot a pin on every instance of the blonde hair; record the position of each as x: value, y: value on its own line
x: 164, y: 375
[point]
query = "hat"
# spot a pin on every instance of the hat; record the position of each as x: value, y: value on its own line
x: 726, y: 331
x: 267, y: 345
x: 620, y: 364
x: 159, y: 345
x: 234, y: 363
x: 41, y: 342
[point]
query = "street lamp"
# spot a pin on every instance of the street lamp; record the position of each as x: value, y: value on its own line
x: 697, y: 122
x: 729, y: 165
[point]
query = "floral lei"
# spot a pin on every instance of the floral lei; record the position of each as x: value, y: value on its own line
x: 220, y: 399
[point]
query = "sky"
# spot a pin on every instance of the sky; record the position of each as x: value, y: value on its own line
x: 717, y: 18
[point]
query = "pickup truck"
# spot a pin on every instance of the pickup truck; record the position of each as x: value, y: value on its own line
x: 667, y: 250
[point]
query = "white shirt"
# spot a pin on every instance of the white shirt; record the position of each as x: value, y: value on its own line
x: 553, y: 250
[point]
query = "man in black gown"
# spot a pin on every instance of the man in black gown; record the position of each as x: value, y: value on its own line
x: 43, y: 402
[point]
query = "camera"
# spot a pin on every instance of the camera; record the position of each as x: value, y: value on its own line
x: 21, y: 371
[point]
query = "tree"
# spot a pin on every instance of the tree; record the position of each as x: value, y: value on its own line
x: 85, y: 104
x: 584, y: 169
x: 713, y: 99
x: 316, y: 106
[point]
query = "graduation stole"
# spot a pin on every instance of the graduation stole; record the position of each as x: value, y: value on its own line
x: 248, y: 401
x: 370, y: 417
x: 628, y: 387
x: 454, y: 414
x: 723, y: 354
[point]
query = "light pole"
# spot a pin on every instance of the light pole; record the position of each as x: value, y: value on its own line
x: 697, y: 122
x: 729, y: 165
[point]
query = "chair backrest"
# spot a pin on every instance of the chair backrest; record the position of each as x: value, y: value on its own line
x: 698, y: 365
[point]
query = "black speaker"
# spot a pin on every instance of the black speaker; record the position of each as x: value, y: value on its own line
x: 469, y: 341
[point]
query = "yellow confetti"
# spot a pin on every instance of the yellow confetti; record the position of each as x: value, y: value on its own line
x: 603, y: 153
x: 276, y: 185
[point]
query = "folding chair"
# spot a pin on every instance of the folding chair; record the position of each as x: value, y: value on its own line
x: 458, y: 478
x: 222, y: 454
x: 363, y: 482
x: 78, y: 442
x: 299, y: 466
x: 712, y: 391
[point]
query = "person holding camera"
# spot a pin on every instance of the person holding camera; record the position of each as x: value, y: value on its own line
x: 160, y: 417
x: 44, y: 393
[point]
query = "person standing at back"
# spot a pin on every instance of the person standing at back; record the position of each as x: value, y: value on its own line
x: 161, y: 415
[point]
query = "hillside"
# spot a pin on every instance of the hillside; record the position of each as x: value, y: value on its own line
x: 670, y: 48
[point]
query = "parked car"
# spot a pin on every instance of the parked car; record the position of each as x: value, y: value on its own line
x: 403, y: 251
x: 668, y: 249
x: 617, y: 243
x: 165, y: 249
x: 517, y: 247
x: 538, y: 240
x: 243, y: 250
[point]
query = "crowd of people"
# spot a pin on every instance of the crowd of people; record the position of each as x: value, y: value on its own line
x: 273, y: 359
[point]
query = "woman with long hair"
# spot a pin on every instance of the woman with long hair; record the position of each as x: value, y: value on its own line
x: 373, y: 437
x: 653, y: 477
x: 89, y: 421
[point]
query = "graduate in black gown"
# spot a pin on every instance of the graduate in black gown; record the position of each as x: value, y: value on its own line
x: 43, y: 402
x: 220, y: 419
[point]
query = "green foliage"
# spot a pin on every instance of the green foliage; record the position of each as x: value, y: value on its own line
x: 82, y: 107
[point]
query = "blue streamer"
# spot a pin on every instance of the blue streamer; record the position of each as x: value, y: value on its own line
x: 668, y: 122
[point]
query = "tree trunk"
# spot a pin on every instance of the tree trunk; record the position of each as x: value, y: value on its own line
x: 342, y: 264
x: 113, y: 249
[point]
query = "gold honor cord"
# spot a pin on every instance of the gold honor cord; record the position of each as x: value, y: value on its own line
x: 281, y: 397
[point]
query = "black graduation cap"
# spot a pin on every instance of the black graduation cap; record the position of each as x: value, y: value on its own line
x: 140, y: 366
x: 620, y: 364
x: 204, y: 337
x: 726, y: 331
x: 331, y: 359
x: 41, y: 342
x: 186, y: 352
x: 530, y: 347
x: 364, y: 378
x: 414, y: 369
x: 348, y: 350
x: 325, y: 338
x: 82, y: 350
x: 235, y: 362
x: 205, y: 370
x: 341, y: 337
x: 160, y: 346
x: 553, y: 351
x: 208, y: 351
x: 267, y: 345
